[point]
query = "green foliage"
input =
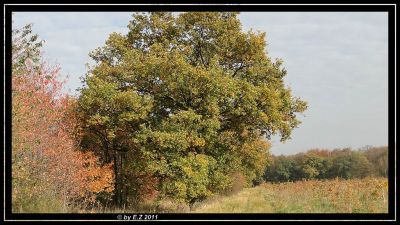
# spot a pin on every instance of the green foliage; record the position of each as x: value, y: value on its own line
x: 189, y: 98
x: 25, y: 46
x: 311, y: 166
x: 189, y: 178
x: 353, y: 165
x: 281, y: 169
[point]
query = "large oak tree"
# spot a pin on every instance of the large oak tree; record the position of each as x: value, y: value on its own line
x: 182, y: 102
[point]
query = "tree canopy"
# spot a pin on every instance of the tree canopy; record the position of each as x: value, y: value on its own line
x: 182, y: 102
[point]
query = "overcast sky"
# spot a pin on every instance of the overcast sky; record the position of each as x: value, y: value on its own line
x: 336, y: 61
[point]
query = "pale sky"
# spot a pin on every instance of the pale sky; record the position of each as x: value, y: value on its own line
x: 336, y: 61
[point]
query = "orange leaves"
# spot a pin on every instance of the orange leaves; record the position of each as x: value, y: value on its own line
x: 47, y: 167
x: 45, y: 156
x: 95, y: 178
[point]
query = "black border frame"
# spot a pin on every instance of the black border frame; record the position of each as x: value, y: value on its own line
x: 383, y: 6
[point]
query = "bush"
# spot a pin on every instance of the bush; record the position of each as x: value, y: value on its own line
x: 238, y: 183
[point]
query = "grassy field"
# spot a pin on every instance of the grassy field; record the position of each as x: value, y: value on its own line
x: 367, y: 195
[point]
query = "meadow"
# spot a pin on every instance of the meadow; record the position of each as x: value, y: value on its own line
x: 368, y: 195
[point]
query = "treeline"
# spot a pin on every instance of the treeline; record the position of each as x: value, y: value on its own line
x: 326, y: 164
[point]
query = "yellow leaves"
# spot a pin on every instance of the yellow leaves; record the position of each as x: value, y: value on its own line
x: 180, y: 189
x: 257, y: 146
x: 196, y: 141
x: 264, y: 117
x: 188, y: 171
x: 111, y: 135
x: 98, y: 119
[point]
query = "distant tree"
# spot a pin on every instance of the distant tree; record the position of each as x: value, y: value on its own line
x: 378, y: 156
x: 360, y: 166
x: 311, y: 165
x: 185, y: 101
x: 325, y: 168
x: 281, y: 169
x: 351, y: 165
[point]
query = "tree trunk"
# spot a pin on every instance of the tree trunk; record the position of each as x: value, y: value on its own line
x: 116, y: 184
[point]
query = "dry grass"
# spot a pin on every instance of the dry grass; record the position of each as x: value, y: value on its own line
x: 367, y: 195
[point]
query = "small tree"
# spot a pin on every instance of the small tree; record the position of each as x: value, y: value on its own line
x: 48, y: 172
